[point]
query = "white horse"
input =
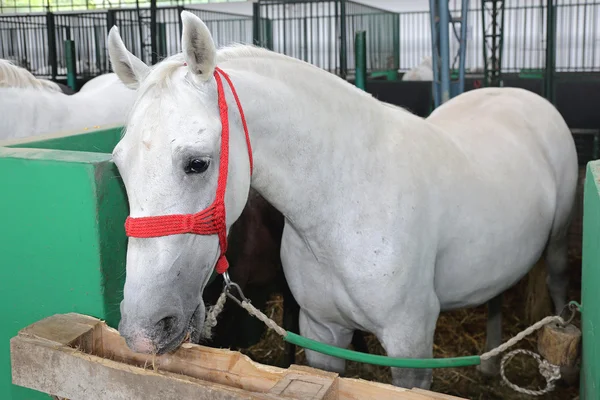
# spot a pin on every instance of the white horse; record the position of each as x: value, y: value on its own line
x: 101, y: 81
x: 422, y: 72
x: 12, y: 75
x: 35, y: 110
x: 390, y: 218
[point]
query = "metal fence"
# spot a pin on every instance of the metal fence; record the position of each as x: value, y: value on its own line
x: 29, y: 6
x: 322, y: 32
x: 37, y: 41
x: 318, y: 31
x: 577, y: 37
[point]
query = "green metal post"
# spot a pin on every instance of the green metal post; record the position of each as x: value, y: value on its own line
x: 550, y: 50
x: 256, y: 22
x: 360, y: 59
x: 162, y: 39
x: 99, y: 46
x: 590, y: 277
x: 396, y: 44
x: 153, y: 35
x: 179, y: 22
x: 267, y: 33
x: 52, y: 53
x: 71, y: 65
x: 343, y: 40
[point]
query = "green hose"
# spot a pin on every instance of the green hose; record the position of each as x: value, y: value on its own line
x: 385, y: 361
x: 351, y: 355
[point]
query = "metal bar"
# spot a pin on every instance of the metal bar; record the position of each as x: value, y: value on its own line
x: 162, y: 40
x: 256, y: 24
x: 433, y: 16
x: 70, y: 58
x: 179, y: 22
x: 98, y: 38
x: 153, y: 33
x: 463, y: 45
x: 550, y: 50
x: 51, y: 32
x: 396, y: 42
x: 111, y: 19
x: 444, y: 50
x: 360, y: 59
x: 284, y: 8
x: 343, y: 42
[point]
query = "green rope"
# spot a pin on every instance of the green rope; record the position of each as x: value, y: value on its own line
x: 351, y: 355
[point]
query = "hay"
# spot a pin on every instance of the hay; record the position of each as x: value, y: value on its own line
x: 462, y: 333
x: 458, y: 333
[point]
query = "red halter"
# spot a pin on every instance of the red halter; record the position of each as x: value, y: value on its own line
x: 210, y: 221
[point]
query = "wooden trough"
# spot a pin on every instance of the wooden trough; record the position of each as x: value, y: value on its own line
x: 74, y: 356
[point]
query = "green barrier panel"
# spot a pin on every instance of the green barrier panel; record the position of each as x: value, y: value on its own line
x: 590, y: 278
x: 62, y: 209
x: 390, y: 75
x: 531, y: 73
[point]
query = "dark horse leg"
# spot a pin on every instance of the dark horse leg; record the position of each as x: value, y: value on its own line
x: 291, y: 315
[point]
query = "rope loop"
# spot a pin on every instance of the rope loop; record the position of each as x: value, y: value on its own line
x: 550, y: 372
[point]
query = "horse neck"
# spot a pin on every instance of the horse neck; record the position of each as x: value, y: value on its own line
x: 309, y: 133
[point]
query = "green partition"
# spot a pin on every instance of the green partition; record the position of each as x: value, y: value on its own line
x: 590, y: 279
x: 62, y: 211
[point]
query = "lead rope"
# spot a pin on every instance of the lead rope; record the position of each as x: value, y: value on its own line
x: 550, y: 372
x: 211, y: 316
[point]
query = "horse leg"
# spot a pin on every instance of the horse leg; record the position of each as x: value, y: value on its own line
x: 329, y: 333
x: 411, y: 336
x: 558, y: 277
x: 493, y: 336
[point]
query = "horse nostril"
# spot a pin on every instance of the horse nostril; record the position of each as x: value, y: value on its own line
x: 167, y: 324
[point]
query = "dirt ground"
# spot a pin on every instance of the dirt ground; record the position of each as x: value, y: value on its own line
x: 462, y: 333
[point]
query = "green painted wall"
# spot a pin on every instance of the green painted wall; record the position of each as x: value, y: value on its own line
x: 62, y: 211
x: 590, y: 279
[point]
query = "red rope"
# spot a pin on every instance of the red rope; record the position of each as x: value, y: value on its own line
x: 237, y: 101
x: 212, y: 220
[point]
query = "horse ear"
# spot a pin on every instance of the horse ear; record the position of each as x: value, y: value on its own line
x: 130, y: 69
x: 199, y: 50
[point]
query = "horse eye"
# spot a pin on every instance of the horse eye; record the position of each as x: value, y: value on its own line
x: 196, y: 166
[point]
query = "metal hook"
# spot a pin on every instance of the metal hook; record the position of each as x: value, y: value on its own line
x: 571, y: 307
x: 229, y: 285
x: 226, y: 279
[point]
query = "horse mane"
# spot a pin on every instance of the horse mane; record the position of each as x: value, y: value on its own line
x: 18, y: 77
x: 162, y: 72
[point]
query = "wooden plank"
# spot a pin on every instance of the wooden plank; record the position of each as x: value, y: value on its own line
x: 68, y: 373
x: 309, y: 387
x: 435, y: 396
x: 78, y: 357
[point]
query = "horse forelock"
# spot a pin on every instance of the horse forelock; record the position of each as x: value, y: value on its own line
x: 18, y: 77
